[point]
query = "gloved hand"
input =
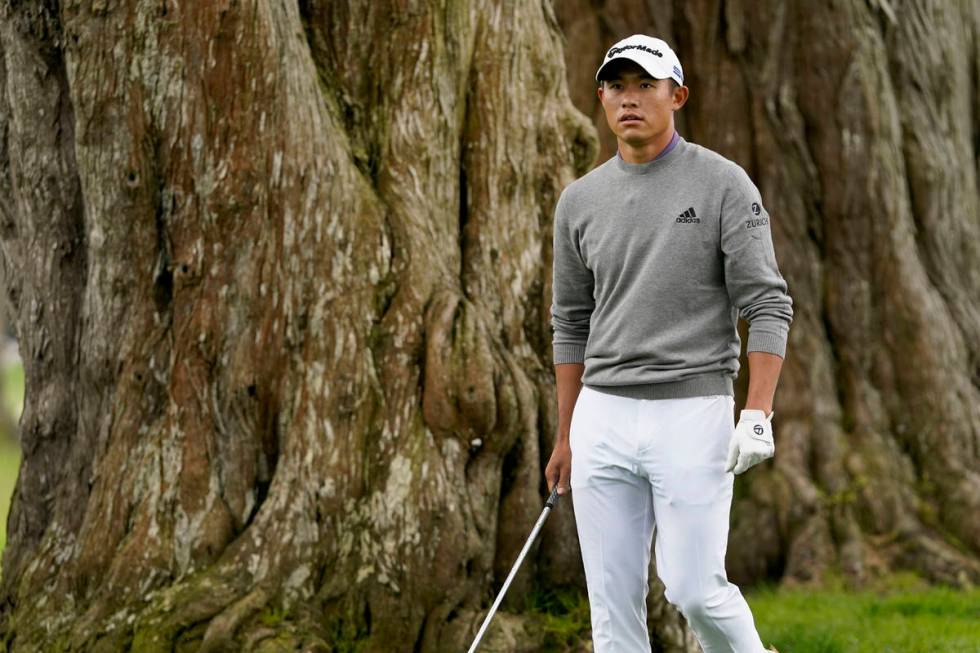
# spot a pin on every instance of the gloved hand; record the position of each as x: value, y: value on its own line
x: 751, y: 442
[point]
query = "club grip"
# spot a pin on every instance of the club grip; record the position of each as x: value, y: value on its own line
x: 553, y: 499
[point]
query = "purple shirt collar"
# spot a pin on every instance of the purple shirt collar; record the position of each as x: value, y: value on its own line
x: 673, y: 141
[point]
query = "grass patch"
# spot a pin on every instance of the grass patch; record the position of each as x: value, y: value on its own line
x: 13, y: 396
x: 899, y: 615
x: 563, y: 614
x: 13, y: 388
x: 9, y: 464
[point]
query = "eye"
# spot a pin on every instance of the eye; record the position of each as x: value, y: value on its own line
x: 646, y: 85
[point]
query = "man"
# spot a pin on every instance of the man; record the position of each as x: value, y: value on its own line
x: 656, y: 252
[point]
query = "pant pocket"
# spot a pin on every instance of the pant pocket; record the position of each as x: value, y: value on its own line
x: 578, y: 434
x: 575, y: 427
x: 594, y: 439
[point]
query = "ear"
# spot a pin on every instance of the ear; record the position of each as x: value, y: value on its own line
x: 680, y: 97
x: 599, y: 91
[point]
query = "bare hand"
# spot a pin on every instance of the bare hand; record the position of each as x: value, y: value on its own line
x: 559, y: 469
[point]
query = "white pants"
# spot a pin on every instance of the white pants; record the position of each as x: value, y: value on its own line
x: 637, y: 463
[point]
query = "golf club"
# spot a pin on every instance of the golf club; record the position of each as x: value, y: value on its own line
x: 552, y: 500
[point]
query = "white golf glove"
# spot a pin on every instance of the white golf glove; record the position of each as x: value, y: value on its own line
x: 751, y: 442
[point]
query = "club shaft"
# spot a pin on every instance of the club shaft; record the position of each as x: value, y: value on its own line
x: 510, y: 577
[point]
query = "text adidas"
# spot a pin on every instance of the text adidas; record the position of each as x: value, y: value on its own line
x: 689, y: 215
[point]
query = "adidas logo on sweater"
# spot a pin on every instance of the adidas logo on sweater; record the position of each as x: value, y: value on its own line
x: 688, y: 216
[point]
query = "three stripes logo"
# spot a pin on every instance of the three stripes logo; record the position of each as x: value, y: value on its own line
x: 688, y: 216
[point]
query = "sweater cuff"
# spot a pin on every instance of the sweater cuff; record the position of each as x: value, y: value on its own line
x: 569, y: 352
x: 767, y: 342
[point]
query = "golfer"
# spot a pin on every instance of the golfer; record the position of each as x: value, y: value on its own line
x: 656, y: 253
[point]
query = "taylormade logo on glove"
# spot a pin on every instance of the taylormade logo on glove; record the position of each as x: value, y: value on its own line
x: 752, y: 441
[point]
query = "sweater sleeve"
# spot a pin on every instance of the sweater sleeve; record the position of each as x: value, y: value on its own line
x: 752, y: 276
x: 572, y: 291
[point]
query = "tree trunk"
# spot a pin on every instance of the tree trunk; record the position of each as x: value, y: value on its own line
x: 860, y: 123
x: 281, y: 279
x: 280, y: 275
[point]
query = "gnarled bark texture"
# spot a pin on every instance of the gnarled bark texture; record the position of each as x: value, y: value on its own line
x: 276, y: 269
x: 860, y: 122
x: 281, y: 278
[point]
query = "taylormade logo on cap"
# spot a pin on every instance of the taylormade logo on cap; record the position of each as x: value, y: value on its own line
x: 613, y: 51
x: 652, y: 54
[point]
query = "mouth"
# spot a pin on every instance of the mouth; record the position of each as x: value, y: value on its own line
x: 630, y: 117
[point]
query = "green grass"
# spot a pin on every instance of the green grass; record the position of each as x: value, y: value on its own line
x: 13, y: 389
x: 900, y: 615
x: 13, y: 395
x: 563, y: 614
x: 9, y: 463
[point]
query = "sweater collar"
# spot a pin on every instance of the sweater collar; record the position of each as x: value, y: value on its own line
x: 667, y: 156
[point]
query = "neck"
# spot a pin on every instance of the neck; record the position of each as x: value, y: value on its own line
x: 646, y: 151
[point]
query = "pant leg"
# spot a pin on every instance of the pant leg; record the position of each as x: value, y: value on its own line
x: 614, y: 518
x: 685, y: 458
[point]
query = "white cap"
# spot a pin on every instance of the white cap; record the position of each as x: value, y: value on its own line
x: 653, y: 55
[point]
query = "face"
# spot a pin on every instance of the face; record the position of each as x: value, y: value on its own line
x: 638, y: 107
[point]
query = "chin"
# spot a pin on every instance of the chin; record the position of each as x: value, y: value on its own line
x: 635, y: 138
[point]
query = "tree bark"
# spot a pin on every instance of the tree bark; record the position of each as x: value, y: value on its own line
x: 279, y: 272
x: 281, y: 279
x: 860, y: 123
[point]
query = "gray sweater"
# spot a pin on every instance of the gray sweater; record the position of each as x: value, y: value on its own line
x: 653, y: 263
